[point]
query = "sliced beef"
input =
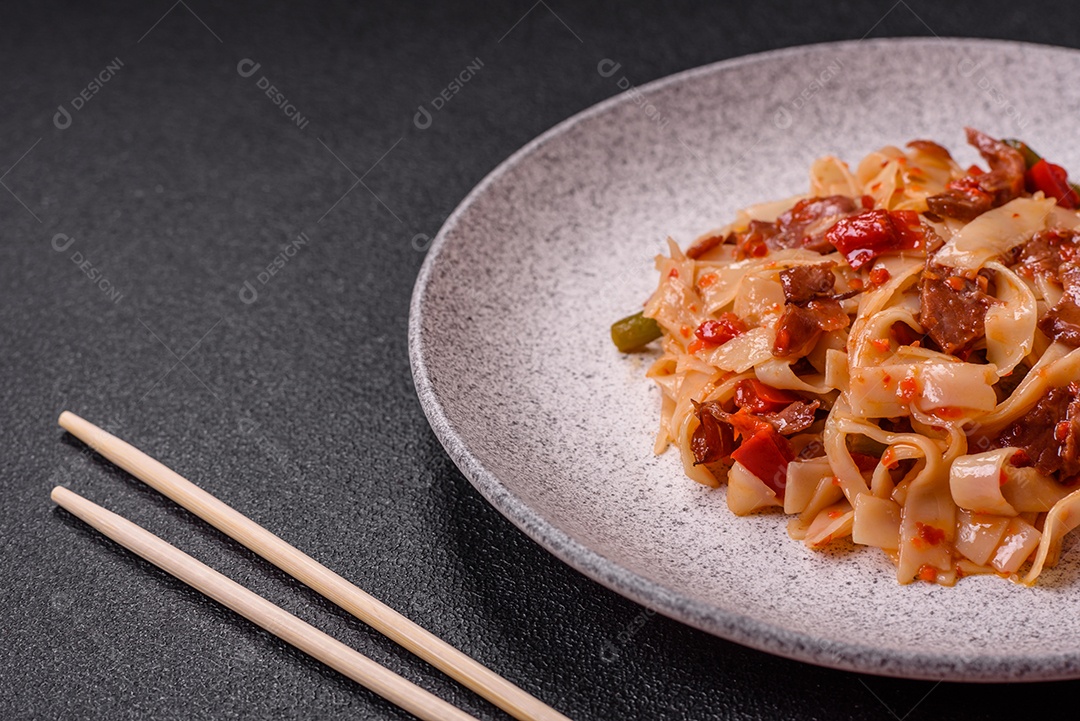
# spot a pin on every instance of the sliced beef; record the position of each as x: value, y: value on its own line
x: 713, y: 440
x: 1039, y: 255
x: 953, y: 308
x: 1044, y: 253
x: 755, y: 241
x: 803, y: 283
x: 802, y: 226
x: 800, y: 326
x: 1005, y: 180
x: 1049, y: 434
x: 796, y: 333
x: 798, y: 416
x: 963, y: 200
x: 704, y: 245
x: 973, y: 195
x: 1062, y: 322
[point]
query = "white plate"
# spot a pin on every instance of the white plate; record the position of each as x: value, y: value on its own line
x: 516, y: 372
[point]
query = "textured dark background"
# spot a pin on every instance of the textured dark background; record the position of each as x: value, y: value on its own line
x: 178, y: 181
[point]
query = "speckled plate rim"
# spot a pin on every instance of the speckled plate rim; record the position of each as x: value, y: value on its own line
x: 739, y: 628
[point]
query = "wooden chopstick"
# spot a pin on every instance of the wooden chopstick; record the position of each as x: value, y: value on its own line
x: 302, y: 567
x: 257, y: 609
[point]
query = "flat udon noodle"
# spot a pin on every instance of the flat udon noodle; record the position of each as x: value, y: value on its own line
x: 663, y: 373
x: 841, y: 424
x: 1062, y: 518
x: 1049, y: 291
x: 926, y: 497
x: 879, y: 174
x: 903, y: 180
x: 929, y: 504
x: 994, y: 233
x: 1057, y: 367
x: 745, y: 350
x: 671, y: 308
x: 1011, y: 322
x: 776, y: 372
x: 881, y: 484
x: 831, y: 176
x: 900, y: 278
x: 976, y: 485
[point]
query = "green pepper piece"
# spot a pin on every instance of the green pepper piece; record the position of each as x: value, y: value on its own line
x: 634, y: 331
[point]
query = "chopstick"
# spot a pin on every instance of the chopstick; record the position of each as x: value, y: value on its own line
x: 257, y: 609
x: 302, y: 567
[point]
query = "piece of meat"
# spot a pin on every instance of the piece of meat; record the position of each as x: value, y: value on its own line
x: 713, y: 440
x: 704, y: 245
x: 963, y: 200
x: 971, y: 196
x: 797, y: 332
x: 1005, y: 180
x: 1062, y: 322
x: 800, y: 326
x: 755, y: 241
x: 1039, y: 255
x: 803, y: 283
x: 798, y: 416
x: 1044, y: 253
x: 801, y: 226
x: 953, y: 308
x: 1049, y: 434
x: 804, y: 225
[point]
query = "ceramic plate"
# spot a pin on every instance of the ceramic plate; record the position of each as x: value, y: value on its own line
x: 517, y: 374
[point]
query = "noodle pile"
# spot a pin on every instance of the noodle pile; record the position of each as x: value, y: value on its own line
x: 890, y: 358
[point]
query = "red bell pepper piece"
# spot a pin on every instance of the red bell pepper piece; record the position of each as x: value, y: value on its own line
x: 766, y: 454
x: 1054, y: 182
x: 719, y: 332
x: 747, y: 425
x: 862, y: 238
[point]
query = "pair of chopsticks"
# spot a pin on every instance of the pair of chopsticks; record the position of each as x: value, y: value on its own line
x: 297, y: 564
